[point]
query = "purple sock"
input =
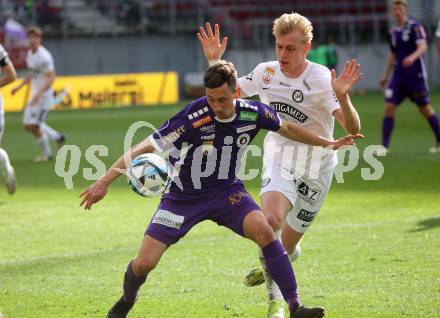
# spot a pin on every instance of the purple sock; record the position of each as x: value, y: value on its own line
x: 132, y: 283
x: 387, y: 129
x: 435, y: 125
x: 279, y: 266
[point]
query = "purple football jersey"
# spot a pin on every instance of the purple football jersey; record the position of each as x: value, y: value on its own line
x: 403, y: 41
x: 205, y: 151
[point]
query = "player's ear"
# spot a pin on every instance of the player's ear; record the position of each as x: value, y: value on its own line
x: 308, y: 47
x: 237, y: 92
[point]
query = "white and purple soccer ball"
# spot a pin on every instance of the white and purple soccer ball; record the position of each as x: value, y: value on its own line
x: 148, y: 175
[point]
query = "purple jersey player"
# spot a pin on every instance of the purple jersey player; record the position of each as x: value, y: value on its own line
x: 409, y: 78
x: 207, y: 136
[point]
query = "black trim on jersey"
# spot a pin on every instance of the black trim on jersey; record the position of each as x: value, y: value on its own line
x: 289, y: 110
x: 4, y: 61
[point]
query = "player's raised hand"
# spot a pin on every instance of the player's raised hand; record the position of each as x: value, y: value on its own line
x: 93, y: 194
x: 347, y: 79
x: 210, y: 42
x: 345, y: 141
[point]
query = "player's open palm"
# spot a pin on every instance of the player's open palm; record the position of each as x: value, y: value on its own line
x: 345, y: 141
x: 212, y: 48
x: 347, y: 79
x: 93, y: 194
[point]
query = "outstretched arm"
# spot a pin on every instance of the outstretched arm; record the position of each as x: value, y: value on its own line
x: 98, y: 190
x: 295, y: 132
x: 347, y: 115
x: 210, y: 42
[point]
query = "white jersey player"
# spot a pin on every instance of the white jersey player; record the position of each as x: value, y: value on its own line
x: 437, y: 37
x: 8, y: 76
x: 42, y: 75
x: 307, y: 94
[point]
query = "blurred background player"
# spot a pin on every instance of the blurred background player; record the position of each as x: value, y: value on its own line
x: 408, y: 45
x: 42, y: 75
x: 310, y: 95
x: 8, y: 76
x: 437, y: 36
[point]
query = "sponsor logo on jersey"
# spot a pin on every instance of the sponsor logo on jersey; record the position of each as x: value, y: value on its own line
x: 208, y: 137
x: 268, y: 114
x: 243, y: 104
x: 297, y: 96
x: 250, y: 76
x: 306, y: 193
x: 249, y: 116
x: 289, y: 110
x: 207, y: 147
x: 202, y: 121
x: 236, y: 197
x: 243, y: 140
x: 284, y: 84
x: 198, y: 113
x: 173, y: 136
x: 307, y: 85
x: 208, y: 128
x: 168, y: 219
x: 268, y: 74
x: 265, y: 182
x: 306, y: 216
x: 246, y: 128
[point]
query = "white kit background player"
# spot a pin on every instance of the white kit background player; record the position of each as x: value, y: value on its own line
x: 42, y: 75
x: 307, y: 94
x: 8, y: 76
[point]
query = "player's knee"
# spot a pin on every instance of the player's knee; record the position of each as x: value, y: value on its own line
x: 263, y: 233
x: 144, y: 265
x: 390, y: 110
x: 274, y: 220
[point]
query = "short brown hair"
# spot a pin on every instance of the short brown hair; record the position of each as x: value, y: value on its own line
x: 400, y: 2
x: 220, y: 73
x: 34, y: 30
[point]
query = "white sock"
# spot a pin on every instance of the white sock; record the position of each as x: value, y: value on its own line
x: 52, y: 133
x: 5, y: 164
x: 43, y: 143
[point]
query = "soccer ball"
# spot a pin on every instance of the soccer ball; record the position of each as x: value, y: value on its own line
x: 148, y: 175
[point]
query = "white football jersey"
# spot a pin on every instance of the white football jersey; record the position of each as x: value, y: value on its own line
x: 39, y: 63
x: 307, y: 100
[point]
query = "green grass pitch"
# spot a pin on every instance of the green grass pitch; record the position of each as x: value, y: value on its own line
x: 374, y: 250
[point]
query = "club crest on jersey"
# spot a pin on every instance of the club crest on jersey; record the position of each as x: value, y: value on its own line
x: 297, y: 96
x: 235, y: 198
x: 207, y: 147
x: 268, y: 75
x: 243, y: 140
x: 202, y: 121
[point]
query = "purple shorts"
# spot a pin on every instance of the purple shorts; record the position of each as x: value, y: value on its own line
x: 174, y: 218
x: 401, y: 87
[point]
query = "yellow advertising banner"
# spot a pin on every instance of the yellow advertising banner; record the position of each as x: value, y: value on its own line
x: 112, y: 90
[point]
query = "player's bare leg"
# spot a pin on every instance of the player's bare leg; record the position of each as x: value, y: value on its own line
x: 7, y: 171
x: 433, y: 120
x: 277, y: 263
x: 150, y: 252
x: 42, y: 142
x: 388, y: 124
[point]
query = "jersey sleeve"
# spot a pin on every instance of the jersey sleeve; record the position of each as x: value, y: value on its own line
x: 420, y: 34
x: 4, y: 58
x: 268, y: 118
x: 171, y: 134
x: 47, y: 64
x: 437, y: 32
x: 249, y: 84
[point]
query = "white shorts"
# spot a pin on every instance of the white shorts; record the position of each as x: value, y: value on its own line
x: 306, y: 195
x: 37, y: 114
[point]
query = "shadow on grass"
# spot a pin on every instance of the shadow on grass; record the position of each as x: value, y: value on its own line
x: 427, y: 224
